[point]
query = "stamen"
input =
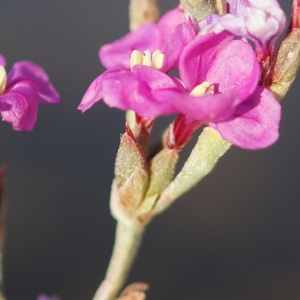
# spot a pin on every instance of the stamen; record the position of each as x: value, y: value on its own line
x: 211, y: 89
x: 200, y: 89
x: 136, y: 58
x: 157, y: 59
x: 3, y: 80
x: 147, y: 59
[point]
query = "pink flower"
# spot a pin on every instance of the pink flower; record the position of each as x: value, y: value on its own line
x: 169, y: 35
x: 145, y: 90
x: 219, y: 84
x: 44, y: 297
x: 259, y: 21
x: 26, y: 85
x: 245, y: 114
x: 142, y: 86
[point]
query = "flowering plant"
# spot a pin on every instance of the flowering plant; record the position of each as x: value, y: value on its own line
x: 223, y: 82
x: 214, y: 64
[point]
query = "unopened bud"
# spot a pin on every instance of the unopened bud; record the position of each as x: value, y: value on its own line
x: 131, y: 173
x: 286, y: 62
x: 220, y: 6
x: 162, y: 168
x: 286, y: 65
x: 198, y: 9
x: 142, y: 11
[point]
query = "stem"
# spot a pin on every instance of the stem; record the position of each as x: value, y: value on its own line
x: 127, y: 242
x: 203, y: 158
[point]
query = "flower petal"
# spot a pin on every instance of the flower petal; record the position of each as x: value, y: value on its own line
x: 255, y: 123
x: 170, y: 20
x: 230, y: 65
x: 100, y: 89
x: 146, y: 37
x: 23, y: 104
x: 172, y: 48
x: 198, y: 56
x: 207, y: 108
x: 235, y: 68
x: 150, y: 37
x: 35, y: 78
x: 144, y: 90
x: 260, y: 21
x: 2, y: 61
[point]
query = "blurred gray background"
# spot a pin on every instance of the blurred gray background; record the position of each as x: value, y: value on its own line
x: 234, y: 237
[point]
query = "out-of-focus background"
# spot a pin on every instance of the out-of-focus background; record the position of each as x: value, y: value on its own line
x: 234, y: 237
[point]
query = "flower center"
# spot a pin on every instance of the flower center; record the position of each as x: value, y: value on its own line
x: 203, y: 88
x: 3, y: 80
x: 155, y: 60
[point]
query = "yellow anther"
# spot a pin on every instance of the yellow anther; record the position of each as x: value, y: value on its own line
x: 147, y: 59
x: 3, y: 80
x: 136, y: 58
x: 202, y: 88
x: 157, y: 59
x: 211, y: 89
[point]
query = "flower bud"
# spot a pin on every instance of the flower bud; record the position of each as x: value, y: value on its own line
x: 286, y: 65
x: 131, y: 173
x: 287, y: 59
x: 162, y: 168
x: 142, y: 11
x: 220, y: 6
x: 198, y: 9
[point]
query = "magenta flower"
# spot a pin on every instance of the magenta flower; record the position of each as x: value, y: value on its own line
x: 45, y: 297
x: 245, y: 115
x: 145, y: 90
x: 218, y: 85
x: 259, y: 21
x: 26, y: 85
x: 169, y: 36
x: 137, y: 80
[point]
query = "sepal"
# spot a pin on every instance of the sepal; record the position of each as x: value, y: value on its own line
x: 131, y: 172
x: 129, y: 158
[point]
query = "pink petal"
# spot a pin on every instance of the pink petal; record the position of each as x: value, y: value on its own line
x: 151, y: 37
x: 146, y: 37
x: 35, y: 78
x: 145, y: 90
x: 235, y: 68
x: 2, y: 61
x: 207, y: 108
x: 23, y: 104
x: 238, y: 7
x: 172, y: 48
x: 256, y: 122
x: 230, y: 65
x: 170, y: 20
x: 198, y: 56
x: 107, y: 86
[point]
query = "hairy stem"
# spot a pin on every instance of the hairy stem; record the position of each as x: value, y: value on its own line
x: 127, y: 242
